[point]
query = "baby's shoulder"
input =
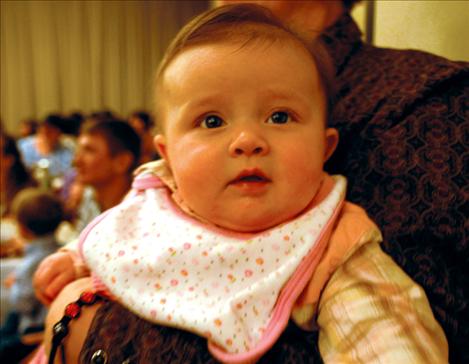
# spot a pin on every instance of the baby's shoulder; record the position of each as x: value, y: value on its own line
x: 353, y: 229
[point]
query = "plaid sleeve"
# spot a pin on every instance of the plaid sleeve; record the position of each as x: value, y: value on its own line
x: 372, y: 312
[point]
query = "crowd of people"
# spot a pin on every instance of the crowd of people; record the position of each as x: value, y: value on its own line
x: 83, y: 164
x: 248, y: 152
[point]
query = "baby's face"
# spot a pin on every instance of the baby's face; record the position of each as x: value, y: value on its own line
x: 245, y: 132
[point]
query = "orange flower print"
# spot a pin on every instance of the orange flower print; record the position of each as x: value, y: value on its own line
x: 260, y: 261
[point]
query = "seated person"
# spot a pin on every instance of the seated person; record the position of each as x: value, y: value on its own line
x: 239, y: 231
x: 107, y: 154
x: 48, y: 149
x: 38, y: 213
x: 143, y: 124
x: 13, y: 178
x: 28, y: 127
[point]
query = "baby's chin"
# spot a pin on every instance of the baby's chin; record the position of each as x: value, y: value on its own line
x: 253, y: 225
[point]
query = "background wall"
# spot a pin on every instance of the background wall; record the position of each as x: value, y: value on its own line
x: 436, y: 26
x: 68, y: 55
x: 63, y: 56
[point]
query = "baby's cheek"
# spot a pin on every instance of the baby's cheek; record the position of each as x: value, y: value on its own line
x: 196, y: 173
x: 302, y: 173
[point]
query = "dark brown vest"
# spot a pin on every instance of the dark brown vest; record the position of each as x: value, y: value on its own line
x: 123, y: 337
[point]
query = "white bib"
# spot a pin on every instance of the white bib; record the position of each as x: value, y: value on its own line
x: 237, y: 290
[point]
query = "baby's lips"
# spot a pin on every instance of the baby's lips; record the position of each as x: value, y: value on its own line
x: 251, y: 175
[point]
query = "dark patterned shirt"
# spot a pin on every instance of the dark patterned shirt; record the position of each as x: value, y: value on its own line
x: 403, y: 119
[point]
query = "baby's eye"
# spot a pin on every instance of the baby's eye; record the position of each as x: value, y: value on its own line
x: 279, y: 117
x: 212, y: 121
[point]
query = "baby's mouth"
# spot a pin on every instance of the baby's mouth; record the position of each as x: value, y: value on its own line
x: 251, y: 176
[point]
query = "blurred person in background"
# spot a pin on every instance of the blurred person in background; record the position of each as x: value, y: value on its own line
x: 14, y: 175
x: 107, y: 153
x: 13, y: 178
x: 143, y: 124
x: 73, y: 123
x: 28, y: 127
x: 37, y: 213
x: 48, y: 153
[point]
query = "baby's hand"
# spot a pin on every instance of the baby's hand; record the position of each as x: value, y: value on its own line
x: 53, y: 274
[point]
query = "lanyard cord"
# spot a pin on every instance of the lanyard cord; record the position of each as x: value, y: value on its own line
x: 72, y: 311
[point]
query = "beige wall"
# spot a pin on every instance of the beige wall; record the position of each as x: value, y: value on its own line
x: 359, y: 14
x: 436, y: 26
x: 64, y: 56
x: 87, y: 55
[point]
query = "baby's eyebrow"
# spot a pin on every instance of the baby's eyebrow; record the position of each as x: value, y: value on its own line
x: 285, y: 95
x: 204, y: 100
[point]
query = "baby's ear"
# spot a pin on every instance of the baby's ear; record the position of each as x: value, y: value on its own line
x: 332, y: 139
x: 159, y: 141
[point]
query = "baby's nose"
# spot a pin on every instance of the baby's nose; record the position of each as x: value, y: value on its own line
x: 248, y: 143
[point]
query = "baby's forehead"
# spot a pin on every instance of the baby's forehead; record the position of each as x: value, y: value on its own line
x: 240, y: 35
x: 249, y: 38
x: 271, y: 57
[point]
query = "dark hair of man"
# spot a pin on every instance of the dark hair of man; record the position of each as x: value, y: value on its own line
x: 39, y: 211
x: 119, y: 136
x: 144, y: 117
x: 56, y: 121
x: 244, y: 24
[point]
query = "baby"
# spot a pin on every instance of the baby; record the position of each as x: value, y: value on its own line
x: 37, y: 213
x: 239, y: 230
